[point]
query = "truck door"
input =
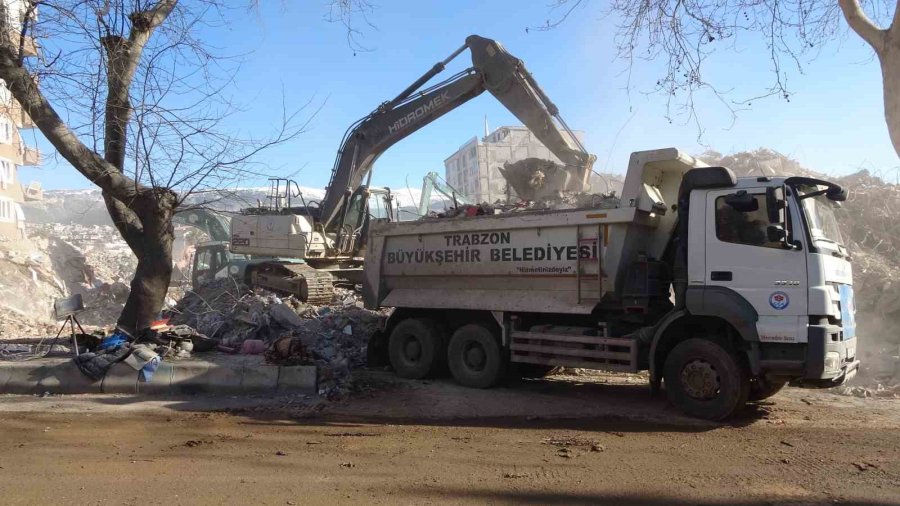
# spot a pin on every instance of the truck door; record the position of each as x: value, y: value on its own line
x: 769, y: 275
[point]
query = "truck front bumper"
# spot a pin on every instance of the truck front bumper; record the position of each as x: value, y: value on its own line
x: 830, y: 359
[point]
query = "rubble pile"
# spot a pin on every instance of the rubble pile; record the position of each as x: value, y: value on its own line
x: 334, y: 337
x: 91, y: 260
x: 872, y: 233
x: 28, y: 286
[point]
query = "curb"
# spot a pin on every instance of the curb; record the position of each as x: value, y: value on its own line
x: 233, y: 375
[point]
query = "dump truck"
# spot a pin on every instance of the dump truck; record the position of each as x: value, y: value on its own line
x: 725, y: 289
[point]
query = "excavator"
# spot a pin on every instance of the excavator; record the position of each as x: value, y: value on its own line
x: 433, y: 181
x: 325, y: 241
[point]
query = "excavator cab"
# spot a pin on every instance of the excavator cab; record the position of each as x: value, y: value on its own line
x: 209, y: 259
x: 360, y: 210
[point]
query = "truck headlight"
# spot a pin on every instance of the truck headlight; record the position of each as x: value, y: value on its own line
x: 233, y: 270
x: 832, y: 361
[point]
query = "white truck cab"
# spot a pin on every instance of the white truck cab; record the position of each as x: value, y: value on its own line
x: 773, y: 260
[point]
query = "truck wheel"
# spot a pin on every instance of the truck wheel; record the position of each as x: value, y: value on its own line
x: 759, y: 392
x: 475, y: 358
x: 704, y: 380
x: 416, y: 348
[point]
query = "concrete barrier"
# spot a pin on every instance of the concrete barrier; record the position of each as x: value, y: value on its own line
x: 219, y: 375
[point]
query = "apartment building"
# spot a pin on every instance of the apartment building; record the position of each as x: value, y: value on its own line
x: 473, y: 168
x: 14, y: 153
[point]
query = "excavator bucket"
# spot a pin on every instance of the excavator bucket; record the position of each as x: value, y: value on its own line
x: 535, y: 179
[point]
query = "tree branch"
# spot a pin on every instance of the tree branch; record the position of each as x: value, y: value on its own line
x: 124, y: 57
x: 862, y: 25
x: 90, y: 164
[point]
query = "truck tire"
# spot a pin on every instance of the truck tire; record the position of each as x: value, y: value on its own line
x: 416, y: 348
x: 760, y: 391
x: 475, y: 357
x: 705, y: 380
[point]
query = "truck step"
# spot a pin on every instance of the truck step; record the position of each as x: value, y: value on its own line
x: 589, y: 352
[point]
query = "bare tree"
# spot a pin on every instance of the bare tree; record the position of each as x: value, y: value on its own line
x: 684, y: 33
x: 128, y: 95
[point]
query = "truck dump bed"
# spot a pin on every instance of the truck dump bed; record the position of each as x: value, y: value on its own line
x: 535, y: 261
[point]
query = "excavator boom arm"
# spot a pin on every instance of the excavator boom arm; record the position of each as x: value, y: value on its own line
x: 495, y: 70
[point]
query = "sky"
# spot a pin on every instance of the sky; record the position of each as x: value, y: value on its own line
x: 291, y: 55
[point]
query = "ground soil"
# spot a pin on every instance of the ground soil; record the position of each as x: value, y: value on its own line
x: 576, y: 439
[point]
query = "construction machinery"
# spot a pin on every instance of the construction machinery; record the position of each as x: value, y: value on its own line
x: 433, y: 181
x: 724, y: 288
x: 329, y: 236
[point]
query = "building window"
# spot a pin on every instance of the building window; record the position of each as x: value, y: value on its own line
x: 7, y: 173
x: 5, y: 131
x: 7, y: 210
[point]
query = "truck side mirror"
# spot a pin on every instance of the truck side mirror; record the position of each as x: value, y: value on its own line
x: 742, y: 202
x: 773, y: 205
x: 836, y: 194
x: 776, y: 233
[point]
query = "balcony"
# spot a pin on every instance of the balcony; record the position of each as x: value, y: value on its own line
x: 33, y: 192
x: 17, y: 114
x: 30, y: 156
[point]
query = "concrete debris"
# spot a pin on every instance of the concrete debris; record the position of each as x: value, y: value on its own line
x: 534, y: 178
x: 57, y: 261
x: 333, y: 337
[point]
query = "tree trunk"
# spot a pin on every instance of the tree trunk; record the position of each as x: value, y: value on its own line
x: 890, y: 74
x: 146, y: 225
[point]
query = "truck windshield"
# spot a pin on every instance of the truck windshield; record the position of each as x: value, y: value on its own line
x: 820, y: 216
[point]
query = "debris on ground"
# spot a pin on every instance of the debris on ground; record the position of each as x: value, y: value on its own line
x: 333, y: 337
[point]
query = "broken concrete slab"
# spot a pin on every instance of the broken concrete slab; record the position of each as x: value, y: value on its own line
x: 285, y: 315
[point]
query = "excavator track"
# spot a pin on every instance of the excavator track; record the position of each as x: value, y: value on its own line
x: 300, y: 280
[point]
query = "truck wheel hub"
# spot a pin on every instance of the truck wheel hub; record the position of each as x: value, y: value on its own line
x: 700, y: 380
x: 475, y: 357
x: 413, y: 350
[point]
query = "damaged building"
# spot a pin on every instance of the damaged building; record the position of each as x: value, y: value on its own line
x: 14, y: 153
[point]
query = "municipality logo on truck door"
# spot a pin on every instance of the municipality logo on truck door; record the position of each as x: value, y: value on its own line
x: 779, y: 300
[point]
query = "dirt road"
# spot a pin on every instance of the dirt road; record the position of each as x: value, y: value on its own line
x: 562, y: 441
